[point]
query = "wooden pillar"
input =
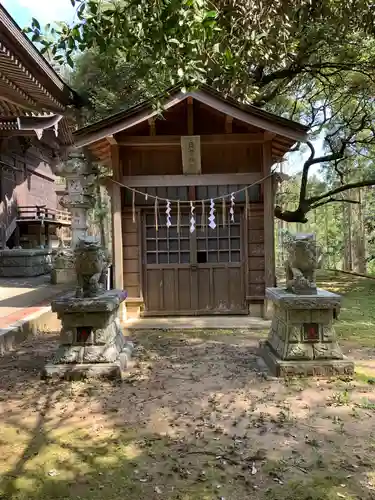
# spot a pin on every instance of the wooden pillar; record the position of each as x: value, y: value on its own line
x: 269, y: 232
x: 40, y: 235
x: 17, y: 237
x: 228, y: 124
x: 117, y: 255
x: 47, y: 237
x: 190, y: 116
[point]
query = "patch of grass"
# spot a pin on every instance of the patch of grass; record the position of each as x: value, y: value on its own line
x: 366, y: 404
x: 364, y: 375
x: 357, y: 318
x: 275, y: 468
x: 316, y: 487
x: 68, y: 463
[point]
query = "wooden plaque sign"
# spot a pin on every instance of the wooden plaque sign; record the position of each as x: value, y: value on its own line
x: 191, y: 154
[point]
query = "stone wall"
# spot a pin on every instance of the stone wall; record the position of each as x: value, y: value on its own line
x: 17, y: 263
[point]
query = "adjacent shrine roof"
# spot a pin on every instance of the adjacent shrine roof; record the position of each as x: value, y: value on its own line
x: 29, y: 86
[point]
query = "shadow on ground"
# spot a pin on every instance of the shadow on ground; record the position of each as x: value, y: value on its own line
x: 193, y: 419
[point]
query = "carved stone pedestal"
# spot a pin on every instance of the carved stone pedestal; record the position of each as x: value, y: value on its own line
x: 91, y: 340
x: 302, y: 340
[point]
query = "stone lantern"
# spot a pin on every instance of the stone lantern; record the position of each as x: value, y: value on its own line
x: 92, y: 343
x: 80, y: 178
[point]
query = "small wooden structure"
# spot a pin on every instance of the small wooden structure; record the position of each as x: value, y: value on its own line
x: 42, y: 219
x: 33, y: 132
x: 204, y: 146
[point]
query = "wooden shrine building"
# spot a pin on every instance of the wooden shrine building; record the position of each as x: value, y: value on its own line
x: 34, y: 129
x: 204, y: 146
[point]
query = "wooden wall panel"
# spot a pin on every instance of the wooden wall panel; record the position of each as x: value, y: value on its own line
x: 131, y: 266
x: 131, y: 239
x: 131, y: 253
x: 256, y: 249
x: 167, y: 160
x: 231, y: 158
x: 128, y: 226
x: 269, y: 228
x: 151, y: 160
x: 31, y: 181
x: 256, y: 262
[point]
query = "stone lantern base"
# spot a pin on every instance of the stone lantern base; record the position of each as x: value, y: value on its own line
x: 91, y: 340
x: 63, y: 271
x: 302, y: 339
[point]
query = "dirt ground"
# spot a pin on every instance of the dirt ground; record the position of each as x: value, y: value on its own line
x: 194, y: 419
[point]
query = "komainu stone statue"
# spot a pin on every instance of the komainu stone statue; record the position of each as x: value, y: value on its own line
x: 304, y: 257
x: 302, y: 339
x: 91, y: 263
x: 92, y: 342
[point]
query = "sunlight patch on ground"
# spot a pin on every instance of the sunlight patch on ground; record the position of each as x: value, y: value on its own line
x: 194, y: 420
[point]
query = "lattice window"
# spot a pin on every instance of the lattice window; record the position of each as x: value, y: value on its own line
x: 222, y: 244
x: 167, y: 246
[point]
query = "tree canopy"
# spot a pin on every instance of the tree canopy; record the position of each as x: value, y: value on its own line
x: 308, y: 60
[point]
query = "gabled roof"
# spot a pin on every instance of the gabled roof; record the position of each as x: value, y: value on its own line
x: 286, y: 131
x: 206, y: 95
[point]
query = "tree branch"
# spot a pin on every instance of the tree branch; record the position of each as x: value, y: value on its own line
x: 341, y: 189
x: 332, y: 200
x: 281, y: 74
x: 305, y: 174
x: 297, y: 68
x: 299, y: 215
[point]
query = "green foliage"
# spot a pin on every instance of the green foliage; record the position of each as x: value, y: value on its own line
x: 307, y: 60
x: 245, y: 48
x: 107, y: 83
x: 357, y: 315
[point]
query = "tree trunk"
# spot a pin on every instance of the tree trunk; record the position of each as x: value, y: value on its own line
x: 347, y: 231
x: 281, y: 225
x: 358, y: 239
x: 328, y: 259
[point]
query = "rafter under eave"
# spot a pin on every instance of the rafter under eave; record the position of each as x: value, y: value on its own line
x: 15, y: 71
x: 10, y: 91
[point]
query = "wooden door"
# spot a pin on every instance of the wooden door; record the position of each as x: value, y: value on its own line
x: 219, y: 259
x: 193, y: 273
